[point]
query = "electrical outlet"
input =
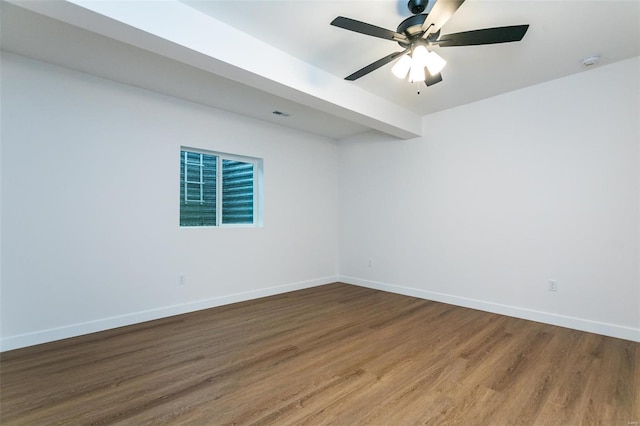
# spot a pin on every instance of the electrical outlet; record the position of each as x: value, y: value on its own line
x: 181, y: 279
x: 553, y: 285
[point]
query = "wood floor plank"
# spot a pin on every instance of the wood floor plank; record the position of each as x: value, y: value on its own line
x: 334, y: 354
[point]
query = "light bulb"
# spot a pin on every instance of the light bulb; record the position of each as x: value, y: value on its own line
x: 435, y: 63
x: 401, y: 68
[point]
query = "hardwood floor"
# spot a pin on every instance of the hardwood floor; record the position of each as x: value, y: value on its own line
x: 335, y: 354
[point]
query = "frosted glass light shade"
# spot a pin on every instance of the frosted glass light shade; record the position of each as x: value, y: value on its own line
x: 434, y: 63
x: 415, y: 64
x: 420, y: 56
x: 416, y: 73
x: 401, y: 68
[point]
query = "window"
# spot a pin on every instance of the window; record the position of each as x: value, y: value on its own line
x: 219, y: 189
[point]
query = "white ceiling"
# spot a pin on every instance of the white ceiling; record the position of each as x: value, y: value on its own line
x: 561, y: 34
x: 254, y: 57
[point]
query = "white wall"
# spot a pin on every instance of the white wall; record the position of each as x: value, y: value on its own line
x: 90, y: 207
x: 501, y: 196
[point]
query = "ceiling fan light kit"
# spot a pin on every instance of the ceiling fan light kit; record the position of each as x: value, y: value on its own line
x: 415, y: 64
x: 422, y: 31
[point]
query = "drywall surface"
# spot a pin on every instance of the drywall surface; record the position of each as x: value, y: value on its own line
x: 500, y: 197
x: 90, y: 207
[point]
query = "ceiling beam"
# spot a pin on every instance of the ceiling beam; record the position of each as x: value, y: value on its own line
x: 172, y: 29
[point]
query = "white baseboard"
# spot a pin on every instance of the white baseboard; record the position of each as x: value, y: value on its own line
x: 612, y: 330
x: 73, y: 330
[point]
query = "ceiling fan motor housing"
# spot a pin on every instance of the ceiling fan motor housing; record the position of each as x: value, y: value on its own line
x: 417, y: 6
x: 411, y: 27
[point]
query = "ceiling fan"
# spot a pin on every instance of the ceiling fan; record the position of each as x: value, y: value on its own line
x: 420, y: 32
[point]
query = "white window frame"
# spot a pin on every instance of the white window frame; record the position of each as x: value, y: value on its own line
x: 257, y: 187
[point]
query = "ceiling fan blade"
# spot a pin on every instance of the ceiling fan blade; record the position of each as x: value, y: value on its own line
x: 433, y: 79
x: 439, y: 15
x: 484, y: 36
x: 374, y: 66
x: 367, y: 29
